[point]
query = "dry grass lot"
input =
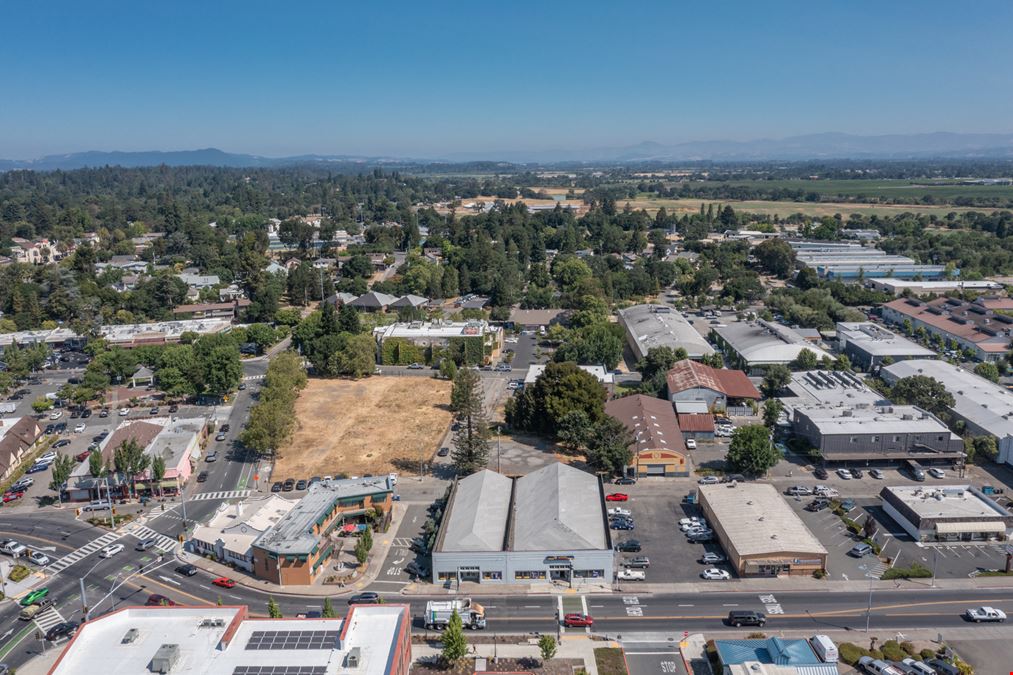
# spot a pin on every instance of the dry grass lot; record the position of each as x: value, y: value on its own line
x: 375, y: 425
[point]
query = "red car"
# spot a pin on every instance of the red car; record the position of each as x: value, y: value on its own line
x: 577, y: 620
x: 81, y: 456
x: 156, y: 600
x: 13, y: 495
x: 224, y: 582
x: 617, y: 497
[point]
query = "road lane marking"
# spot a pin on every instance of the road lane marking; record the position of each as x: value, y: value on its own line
x: 733, y: 604
x: 687, y: 605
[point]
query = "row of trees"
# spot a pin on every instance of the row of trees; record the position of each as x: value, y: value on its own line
x: 273, y: 420
x: 335, y: 343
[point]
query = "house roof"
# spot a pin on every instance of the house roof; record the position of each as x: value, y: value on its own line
x: 373, y: 300
x: 650, y: 326
x: 535, y: 317
x: 143, y: 433
x: 688, y: 374
x: 16, y: 434
x: 410, y: 301
x: 971, y: 321
x: 696, y: 422
x: 211, y: 306
x: 652, y: 422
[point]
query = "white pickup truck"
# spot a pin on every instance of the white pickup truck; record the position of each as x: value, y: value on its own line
x: 979, y: 614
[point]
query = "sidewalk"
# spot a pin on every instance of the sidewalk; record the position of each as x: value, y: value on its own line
x: 570, y: 647
x: 381, y: 546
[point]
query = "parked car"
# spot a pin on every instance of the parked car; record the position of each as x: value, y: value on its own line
x: 691, y: 443
x: 619, y: 511
x: 23, y: 483
x: 175, y: 409
x: 443, y: 452
x: 418, y: 366
x: 153, y: 411
x: 844, y: 474
x: 860, y: 550
x: 203, y: 476
x: 817, y: 505
x: 627, y: 574
x: 638, y: 562
x: 937, y: 473
x: 617, y: 497
x: 577, y: 620
x: 47, y: 458
x: 625, y: 481
x: 63, y: 442
x: 39, y: 558
x: 709, y: 480
x: 13, y: 548
x: 821, y: 473
x: 417, y: 570
x: 628, y: 546
x: 712, y: 558
x: 104, y: 412
x: 56, y: 414
x: 83, y: 455
x: 367, y: 598
x: 715, y: 574
x: 857, y: 473
x: 220, y: 436
x: 124, y: 412
x: 13, y: 495
x: 156, y: 600
x: 276, y: 486
x: 877, y: 666
x: 799, y: 491
x: 225, y: 427
x: 212, y: 457
x: 300, y: 484
x: 288, y: 485
x: 919, y: 667
x: 224, y: 582
x: 621, y: 524
x: 700, y: 537
x: 876, y: 473
x: 78, y: 428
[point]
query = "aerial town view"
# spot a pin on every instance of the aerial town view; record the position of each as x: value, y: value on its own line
x: 523, y: 338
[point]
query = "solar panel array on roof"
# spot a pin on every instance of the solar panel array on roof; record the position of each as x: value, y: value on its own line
x: 293, y: 639
x: 280, y: 670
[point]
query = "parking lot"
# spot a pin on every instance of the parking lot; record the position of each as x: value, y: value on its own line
x: 951, y: 561
x: 656, y: 509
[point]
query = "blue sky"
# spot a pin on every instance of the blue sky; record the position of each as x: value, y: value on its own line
x: 428, y: 78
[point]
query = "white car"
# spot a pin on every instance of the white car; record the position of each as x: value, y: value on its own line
x: 979, y: 614
x: 714, y: 574
x: 619, y: 511
x: 56, y: 414
x: 78, y: 428
x: 110, y: 551
x: 712, y: 558
x: 626, y: 574
x: 918, y: 666
x: 695, y: 525
x: 844, y: 474
x: 39, y: 558
x: 124, y: 412
x: 937, y: 473
x: 709, y: 480
x: 691, y: 443
x: 47, y: 458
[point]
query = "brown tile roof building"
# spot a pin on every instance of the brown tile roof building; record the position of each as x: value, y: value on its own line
x: 697, y: 423
x: 973, y: 325
x: 652, y: 421
x: 15, y: 439
x: 688, y: 374
x: 142, y: 432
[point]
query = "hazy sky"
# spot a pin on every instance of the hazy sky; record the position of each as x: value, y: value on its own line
x: 423, y: 78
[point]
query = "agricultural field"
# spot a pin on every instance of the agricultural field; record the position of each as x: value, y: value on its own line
x: 375, y: 425
x: 886, y: 189
x: 783, y: 209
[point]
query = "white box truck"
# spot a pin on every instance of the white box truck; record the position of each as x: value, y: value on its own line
x: 438, y: 613
x: 824, y: 648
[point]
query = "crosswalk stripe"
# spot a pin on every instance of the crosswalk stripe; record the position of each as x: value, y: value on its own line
x: 83, y: 552
x: 224, y: 494
x: 164, y: 543
x: 48, y: 618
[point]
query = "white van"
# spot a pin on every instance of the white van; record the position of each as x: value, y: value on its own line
x: 824, y: 648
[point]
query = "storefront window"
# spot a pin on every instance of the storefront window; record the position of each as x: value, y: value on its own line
x: 588, y: 574
x: 492, y: 576
x: 446, y: 576
x: 529, y: 574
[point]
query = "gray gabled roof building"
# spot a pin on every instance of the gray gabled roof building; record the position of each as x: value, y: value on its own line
x: 549, y: 525
x: 650, y: 326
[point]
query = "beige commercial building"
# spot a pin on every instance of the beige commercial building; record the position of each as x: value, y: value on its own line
x: 760, y: 532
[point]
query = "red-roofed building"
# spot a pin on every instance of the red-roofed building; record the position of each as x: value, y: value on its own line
x: 693, y: 381
x: 697, y: 426
x: 658, y: 446
x: 978, y: 326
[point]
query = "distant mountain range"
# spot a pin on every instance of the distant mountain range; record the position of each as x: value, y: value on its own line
x: 825, y: 146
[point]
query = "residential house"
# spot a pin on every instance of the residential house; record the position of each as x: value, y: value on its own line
x: 374, y: 301
x: 38, y: 252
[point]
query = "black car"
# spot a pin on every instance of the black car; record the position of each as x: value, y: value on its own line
x: 817, y: 505
x: 202, y: 476
x: 61, y: 427
x: 100, y: 437
x: 367, y: 598
x: 64, y: 629
x: 628, y: 546
x: 857, y: 473
x: 625, y: 481
x: 314, y: 480
x: 86, y: 413
x: 821, y: 473
x: 746, y: 618
x: 301, y: 485
x: 50, y: 428
x: 75, y: 414
x: 276, y: 486
x: 225, y: 428
x: 62, y: 443
x: 173, y: 408
x: 288, y: 485
x: 186, y: 570
x: 416, y: 569
x: 444, y: 451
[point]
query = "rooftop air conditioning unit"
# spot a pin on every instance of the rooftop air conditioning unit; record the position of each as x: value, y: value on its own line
x: 353, y: 658
x: 164, y: 659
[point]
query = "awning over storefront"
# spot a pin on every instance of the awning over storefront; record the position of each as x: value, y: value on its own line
x: 971, y: 526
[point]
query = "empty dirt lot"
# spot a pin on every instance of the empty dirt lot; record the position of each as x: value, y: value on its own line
x: 375, y: 425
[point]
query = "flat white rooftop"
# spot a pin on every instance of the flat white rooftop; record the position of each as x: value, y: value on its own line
x: 535, y: 371
x: 946, y: 501
x: 225, y: 641
x: 441, y: 330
